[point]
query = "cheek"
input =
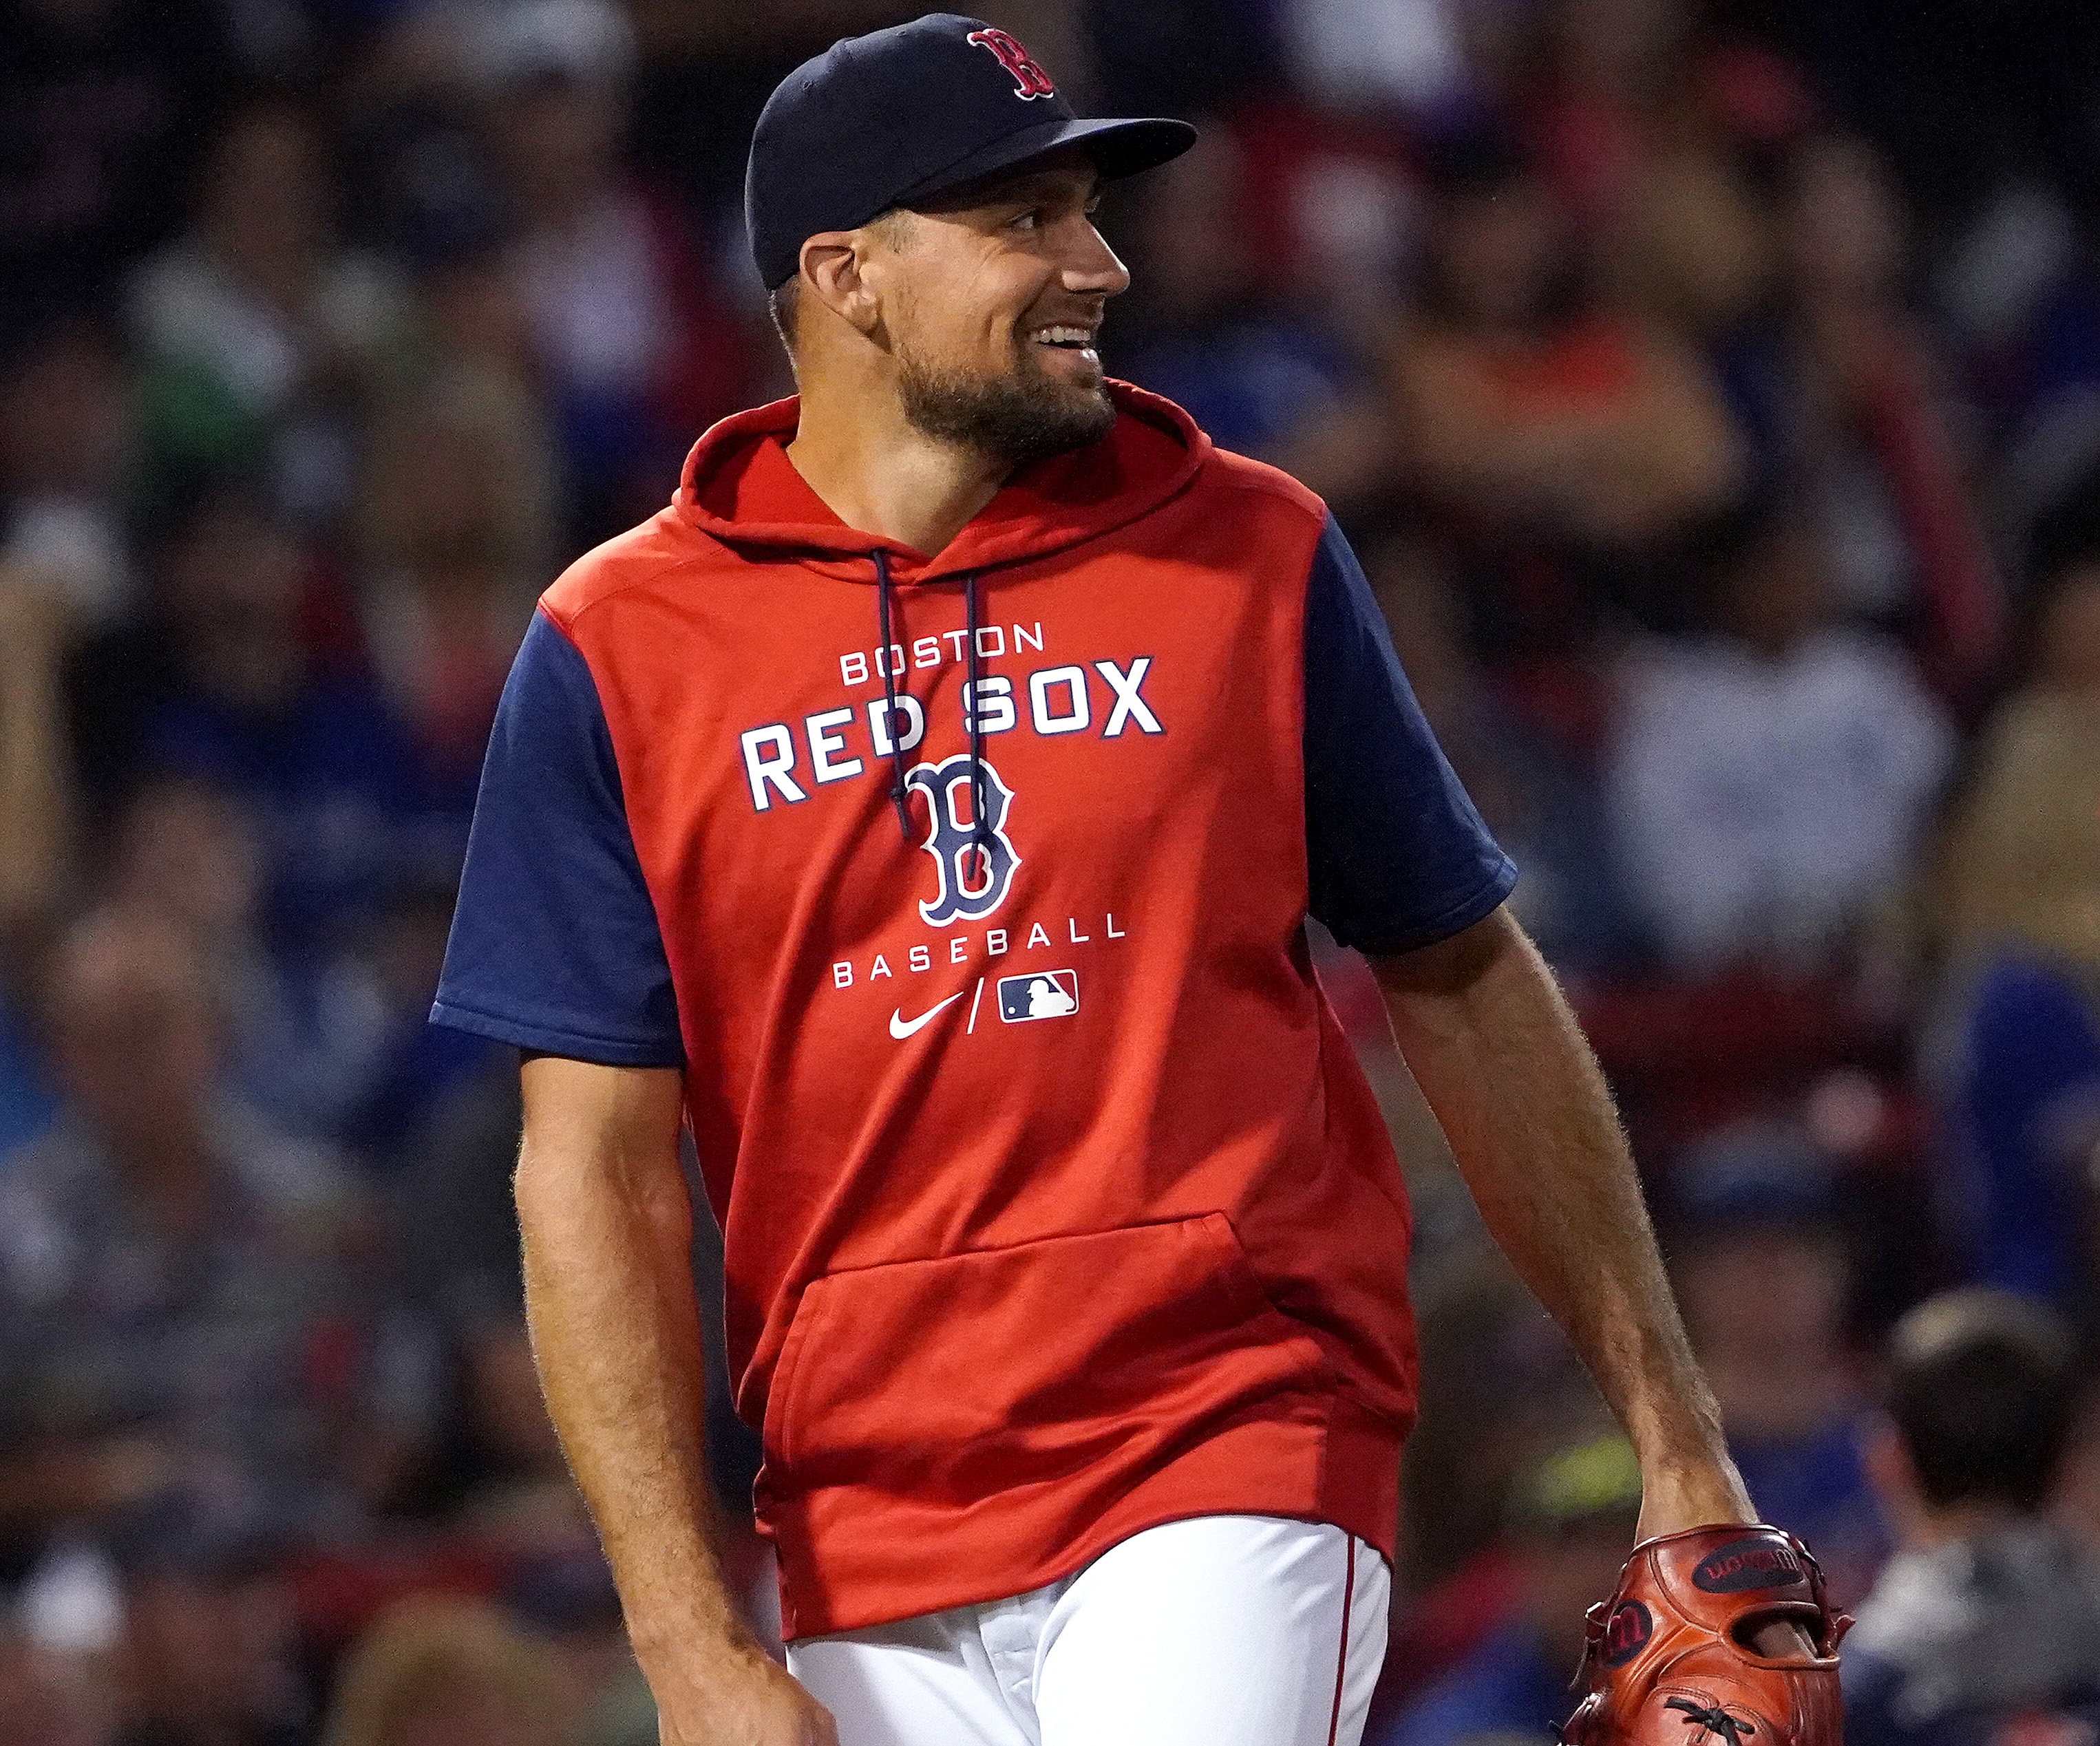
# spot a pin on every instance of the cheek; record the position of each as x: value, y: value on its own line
x: 962, y: 311
x: 935, y: 324
x: 991, y: 298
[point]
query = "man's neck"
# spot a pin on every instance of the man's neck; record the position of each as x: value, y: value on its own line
x: 1976, y: 1518
x: 879, y: 473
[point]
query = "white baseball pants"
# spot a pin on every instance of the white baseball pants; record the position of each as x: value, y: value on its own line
x: 1223, y: 1630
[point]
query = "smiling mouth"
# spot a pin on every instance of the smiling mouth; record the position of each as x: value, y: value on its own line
x: 1062, y: 338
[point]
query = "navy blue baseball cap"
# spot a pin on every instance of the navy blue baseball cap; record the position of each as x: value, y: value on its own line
x: 902, y: 116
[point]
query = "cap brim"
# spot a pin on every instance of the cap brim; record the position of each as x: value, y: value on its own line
x: 1118, y: 149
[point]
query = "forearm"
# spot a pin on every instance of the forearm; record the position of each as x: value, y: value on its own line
x: 607, y: 1225
x: 1504, y: 1066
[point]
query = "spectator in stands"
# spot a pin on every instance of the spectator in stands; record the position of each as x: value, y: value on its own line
x: 1262, y: 379
x: 471, y: 327
x: 2019, y: 896
x: 1840, y: 393
x: 65, y: 437
x: 223, y: 686
x: 329, y: 1043
x: 179, y: 1315
x: 1540, y: 796
x: 1526, y: 404
x: 2041, y: 381
x: 470, y: 321
x: 1769, y: 779
x: 257, y: 327
x: 306, y: 1031
x: 1986, y: 1626
x: 1760, y: 1263
x: 1691, y: 234
x: 104, y: 105
x: 1571, y: 1526
x: 457, y: 499
x: 460, y: 512
x: 419, y: 1073
x: 640, y: 350
x: 446, y: 1672
x: 570, y: 1606
x: 1615, y: 79
x: 1410, y: 61
x: 207, y: 1656
x: 458, y: 1226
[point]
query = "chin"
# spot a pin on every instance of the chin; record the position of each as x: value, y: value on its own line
x: 1077, y: 399
x: 1023, y: 414
x: 1075, y: 396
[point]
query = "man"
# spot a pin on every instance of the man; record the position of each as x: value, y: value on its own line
x: 1986, y: 1627
x: 1764, y: 1280
x: 170, y: 1266
x: 1768, y: 782
x: 1075, y: 1326
x: 210, y: 1639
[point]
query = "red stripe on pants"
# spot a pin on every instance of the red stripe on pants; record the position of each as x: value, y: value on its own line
x: 1342, y: 1655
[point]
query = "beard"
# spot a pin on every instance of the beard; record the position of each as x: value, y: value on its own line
x: 1017, y: 415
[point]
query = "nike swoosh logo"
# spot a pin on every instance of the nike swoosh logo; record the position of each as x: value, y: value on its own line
x: 901, y: 1027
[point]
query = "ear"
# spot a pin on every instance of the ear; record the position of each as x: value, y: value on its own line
x: 1894, y: 1480
x: 832, y: 271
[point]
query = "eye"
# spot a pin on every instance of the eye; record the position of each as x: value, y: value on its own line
x: 1030, y: 220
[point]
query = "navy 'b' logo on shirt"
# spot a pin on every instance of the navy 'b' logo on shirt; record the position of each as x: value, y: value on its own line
x: 974, y: 876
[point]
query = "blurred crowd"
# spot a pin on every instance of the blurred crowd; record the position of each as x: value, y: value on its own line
x: 1712, y: 393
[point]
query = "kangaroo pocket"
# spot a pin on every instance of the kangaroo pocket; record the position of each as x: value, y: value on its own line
x: 1048, y: 1365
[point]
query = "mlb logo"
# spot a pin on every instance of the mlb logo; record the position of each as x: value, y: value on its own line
x: 1042, y: 993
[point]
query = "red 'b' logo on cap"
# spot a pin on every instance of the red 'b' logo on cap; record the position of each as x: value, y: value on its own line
x: 1028, y: 78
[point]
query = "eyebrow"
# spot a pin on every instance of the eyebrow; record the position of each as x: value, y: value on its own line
x: 1042, y: 183
x: 1033, y: 185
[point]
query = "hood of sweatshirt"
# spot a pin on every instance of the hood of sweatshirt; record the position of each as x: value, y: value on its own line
x: 740, y: 487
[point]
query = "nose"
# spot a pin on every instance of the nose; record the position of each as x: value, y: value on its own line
x: 1094, y: 269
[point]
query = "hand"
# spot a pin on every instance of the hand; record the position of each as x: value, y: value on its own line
x: 1709, y: 1494
x: 736, y: 1697
x: 1703, y: 1494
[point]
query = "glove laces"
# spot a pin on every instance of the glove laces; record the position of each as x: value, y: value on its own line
x: 1715, y: 1720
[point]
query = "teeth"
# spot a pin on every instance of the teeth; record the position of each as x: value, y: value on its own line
x: 1065, y: 336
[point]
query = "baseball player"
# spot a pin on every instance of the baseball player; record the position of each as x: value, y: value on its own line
x: 924, y: 809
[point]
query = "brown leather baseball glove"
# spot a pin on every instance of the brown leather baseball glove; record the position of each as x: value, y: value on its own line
x: 1671, y: 1661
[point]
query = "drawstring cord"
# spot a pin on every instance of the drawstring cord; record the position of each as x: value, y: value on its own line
x: 980, y: 826
x: 882, y: 610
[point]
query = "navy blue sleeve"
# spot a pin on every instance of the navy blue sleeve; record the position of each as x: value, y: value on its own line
x: 554, y: 944
x: 1398, y: 856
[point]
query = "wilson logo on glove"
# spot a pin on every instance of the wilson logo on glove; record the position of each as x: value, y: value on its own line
x: 1671, y: 1659
x: 1745, y: 1564
x: 1629, y: 1627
